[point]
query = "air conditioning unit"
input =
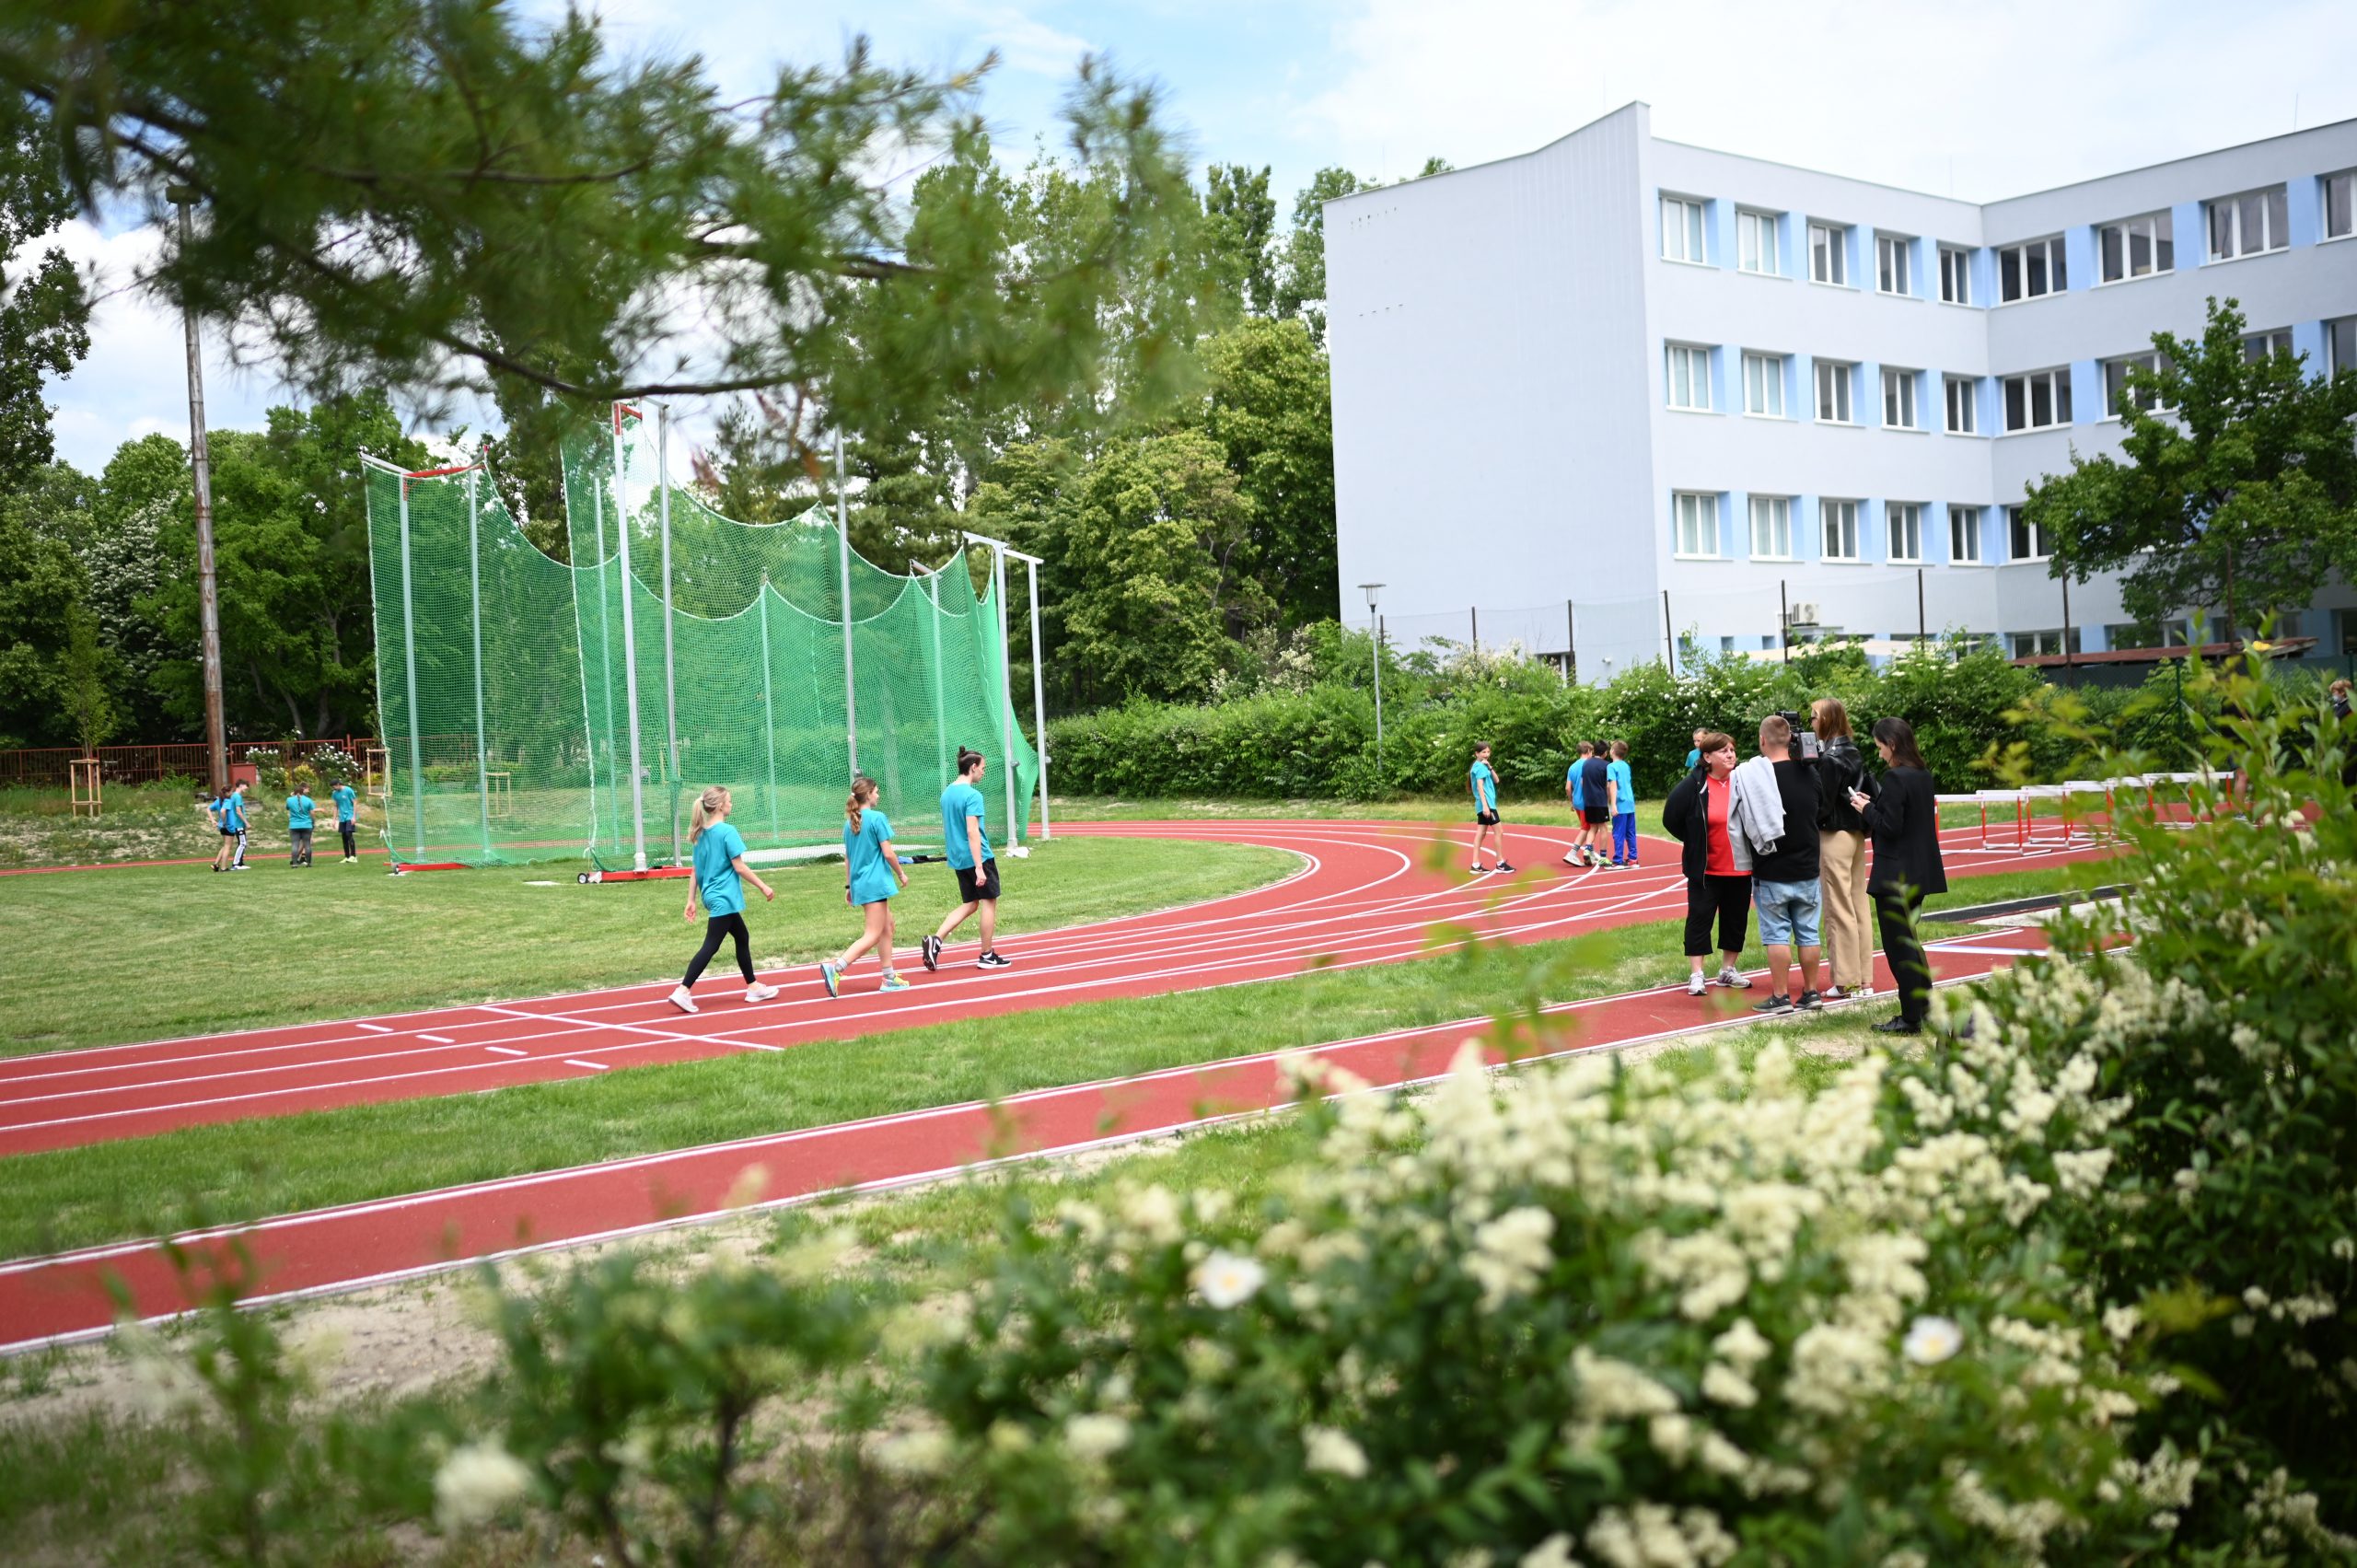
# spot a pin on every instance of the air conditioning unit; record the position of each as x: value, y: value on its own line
x: 1803, y: 615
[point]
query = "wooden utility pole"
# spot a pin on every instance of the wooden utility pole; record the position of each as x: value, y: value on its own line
x: 208, y: 594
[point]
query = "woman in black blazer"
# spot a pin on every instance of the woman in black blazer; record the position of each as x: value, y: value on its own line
x: 1903, y: 820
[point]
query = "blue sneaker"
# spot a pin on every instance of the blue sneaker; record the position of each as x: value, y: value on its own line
x: 894, y: 981
x: 834, y: 982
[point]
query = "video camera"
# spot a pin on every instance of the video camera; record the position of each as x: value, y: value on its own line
x: 1805, y: 747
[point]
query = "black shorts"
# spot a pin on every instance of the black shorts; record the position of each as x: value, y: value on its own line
x: 1486, y: 818
x: 978, y: 884
x: 1597, y: 816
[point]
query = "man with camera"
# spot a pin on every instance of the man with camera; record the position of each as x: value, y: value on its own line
x: 1784, y: 874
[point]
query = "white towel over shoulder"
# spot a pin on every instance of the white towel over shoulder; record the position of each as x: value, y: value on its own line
x: 1755, y: 812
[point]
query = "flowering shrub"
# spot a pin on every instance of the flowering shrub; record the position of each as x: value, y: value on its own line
x: 1585, y: 1315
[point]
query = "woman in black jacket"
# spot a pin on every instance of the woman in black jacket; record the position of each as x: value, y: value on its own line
x: 1903, y: 818
x: 1696, y: 815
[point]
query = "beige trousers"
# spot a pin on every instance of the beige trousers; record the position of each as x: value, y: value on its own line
x: 1849, y: 913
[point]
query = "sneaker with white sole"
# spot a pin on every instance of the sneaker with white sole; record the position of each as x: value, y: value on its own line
x: 992, y: 960
x: 930, y: 951
x: 1505, y: 868
x: 1734, y: 977
x: 1695, y: 984
x: 1478, y: 869
x: 833, y: 981
x: 681, y: 1000
x: 760, y: 992
x: 894, y: 981
x: 1572, y: 858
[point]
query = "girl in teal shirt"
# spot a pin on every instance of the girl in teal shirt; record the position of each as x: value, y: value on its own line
x: 872, y: 875
x: 720, y: 877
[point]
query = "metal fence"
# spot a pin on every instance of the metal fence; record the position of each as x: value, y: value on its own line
x: 46, y: 767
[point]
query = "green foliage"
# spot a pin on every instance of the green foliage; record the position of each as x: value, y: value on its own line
x: 44, y: 314
x: 1301, y: 284
x: 1241, y: 220
x: 2237, y: 488
x: 1271, y: 410
x: 41, y: 589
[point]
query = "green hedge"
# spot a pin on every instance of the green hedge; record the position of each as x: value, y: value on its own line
x: 1320, y: 742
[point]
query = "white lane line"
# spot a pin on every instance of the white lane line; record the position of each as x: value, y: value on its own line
x: 506, y: 1050
x: 374, y: 1028
x: 438, y: 1040
x: 593, y: 1066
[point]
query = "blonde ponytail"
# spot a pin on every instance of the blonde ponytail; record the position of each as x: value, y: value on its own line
x: 709, y: 807
x: 863, y: 791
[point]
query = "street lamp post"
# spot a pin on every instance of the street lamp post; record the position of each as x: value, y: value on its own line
x: 1375, y: 631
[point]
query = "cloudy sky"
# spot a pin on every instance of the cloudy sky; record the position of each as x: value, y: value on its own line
x: 1984, y: 100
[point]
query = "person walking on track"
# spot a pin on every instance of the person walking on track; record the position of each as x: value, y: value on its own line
x: 1483, y: 782
x: 720, y: 877
x: 345, y: 802
x: 1718, y: 875
x: 1574, y: 790
x: 872, y: 875
x: 1841, y: 854
x: 1596, y: 800
x: 1621, y: 783
x: 1904, y: 818
x: 229, y: 815
x: 300, y: 808
x: 966, y: 845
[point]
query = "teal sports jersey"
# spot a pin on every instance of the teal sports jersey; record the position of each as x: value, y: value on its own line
x: 233, y: 813
x: 961, y: 803
x: 717, y: 848
x: 1485, y: 788
x: 345, y: 801
x: 1572, y: 777
x: 1625, y: 803
x: 872, y: 880
x: 300, y: 808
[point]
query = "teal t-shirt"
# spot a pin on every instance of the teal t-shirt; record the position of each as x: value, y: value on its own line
x: 300, y: 808
x: 871, y: 873
x: 1485, y: 788
x: 233, y: 813
x: 717, y: 848
x: 961, y: 803
x: 1579, y: 786
x: 344, y: 801
x: 1625, y: 803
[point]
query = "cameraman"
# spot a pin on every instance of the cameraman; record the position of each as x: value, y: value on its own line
x: 1841, y: 852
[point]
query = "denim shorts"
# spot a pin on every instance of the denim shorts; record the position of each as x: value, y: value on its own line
x: 1787, y: 912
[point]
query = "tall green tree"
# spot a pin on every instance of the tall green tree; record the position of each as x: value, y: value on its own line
x: 1241, y: 223
x: 42, y: 588
x: 45, y: 312
x: 1301, y: 283
x: 2235, y: 488
x: 1271, y: 410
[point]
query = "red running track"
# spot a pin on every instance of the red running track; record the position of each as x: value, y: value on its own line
x: 65, y: 1297
x: 1367, y: 893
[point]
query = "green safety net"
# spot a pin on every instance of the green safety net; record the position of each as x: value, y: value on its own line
x: 505, y: 678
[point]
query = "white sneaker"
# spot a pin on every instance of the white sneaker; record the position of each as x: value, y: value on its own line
x: 1695, y: 984
x: 681, y: 1000
x: 1731, y: 976
x: 757, y: 993
x: 1572, y: 858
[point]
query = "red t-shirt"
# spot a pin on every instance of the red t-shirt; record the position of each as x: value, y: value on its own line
x: 1718, y: 854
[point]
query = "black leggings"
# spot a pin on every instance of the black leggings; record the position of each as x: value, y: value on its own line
x: 715, y: 928
x: 1904, y: 950
x: 1728, y: 898
x: 351, y: 848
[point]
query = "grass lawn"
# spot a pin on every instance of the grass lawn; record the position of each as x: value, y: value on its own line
x: 148, y: 822
x: 150, y: 952
x: 73, y: 1197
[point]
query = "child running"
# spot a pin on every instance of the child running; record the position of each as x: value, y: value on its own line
x: 346, y: 801
x: 871, y: 866
x: 1622, y: 785
x: 1484, y: 785
x: 967, y: 846
x: 720, y: 876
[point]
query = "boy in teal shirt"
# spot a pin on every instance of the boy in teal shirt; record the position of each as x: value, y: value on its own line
x: 299, y: 806
x: 1623, y: 789
x: 966, y: 845
x: 346, y: 803
x: 1483, y: 783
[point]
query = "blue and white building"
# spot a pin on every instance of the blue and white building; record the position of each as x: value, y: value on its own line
x: 1618, y: 369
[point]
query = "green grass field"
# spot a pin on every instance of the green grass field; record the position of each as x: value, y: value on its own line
x: 74, y: 1197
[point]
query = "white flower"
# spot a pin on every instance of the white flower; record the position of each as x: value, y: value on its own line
x: 1723, y: 1385
x: 1225, y: 1280
x: 1330, y: 1452
x: 1510, y: 1253
x: 1744, y: 1346
x: 475, y: 1483
x: 2120, y: 1322
x: 2253, y: 1298
x: 1096, y: 1437
x: 1931, y: 1340
x: 1555, y: 1552
x: 1153, y: 1213
x: 922, y: 1450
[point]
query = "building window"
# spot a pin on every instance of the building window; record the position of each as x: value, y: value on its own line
x: 2042, y: 645
x: 1690, y: 376
x: 2025, y: 540
x: 2136, y: 247
x: 1681, y: 229
x: 2340, y: 204
x: 1905, y: 532
x: 1840, y: 520
x: 1964, y: 413
x: 1763, y: 384
x: 2117, y: 394
x: 2341, y: 344
x: 1899, y: 399
x: 2038, y: 401
x: 2143, y: 634
x: 2029, y: 272
x: 1964, y: 536
x: 1833, y: 391
x: 1893, y: 270
x: 2248, y: 225
x: 1771, y: 528
x: 1956, y: 276
x: 1697, y: 523
x: 2258, y: 345
x: 1829, y: 260
x: 1754, y: 242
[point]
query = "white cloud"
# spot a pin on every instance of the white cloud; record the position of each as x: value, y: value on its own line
x: 2011, y: 96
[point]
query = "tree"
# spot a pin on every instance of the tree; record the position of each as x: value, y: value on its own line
x: 1271, y: 413
x: 1241, y: 217
x: 41, y: 590
x: 2237, y: 486
x: 1301, y: 288
x: 44, y: 314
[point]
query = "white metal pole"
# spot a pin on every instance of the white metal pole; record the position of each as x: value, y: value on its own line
x: 605, y: 657
x: 408, y: 660
x: 630, y: 653
x: 842, y: 555
x: 769, y: 715
x: 940, y: 695
x: 1377, y: 630
x: 1006, y: 684
x: 474, y: 610
x: 1039, y: 694
x: 670, y: 684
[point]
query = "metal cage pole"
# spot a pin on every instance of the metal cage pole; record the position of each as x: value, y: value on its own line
x: 768, y: 715
x: 474, y: 614
x: 630, y: 653
x: 409, y: 662
x: 1005, y: 673
x: 670, y: 683
x: 842, y: 557
x: 942, y: 756
x: 1039, y: 689
x: 605, y: 659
